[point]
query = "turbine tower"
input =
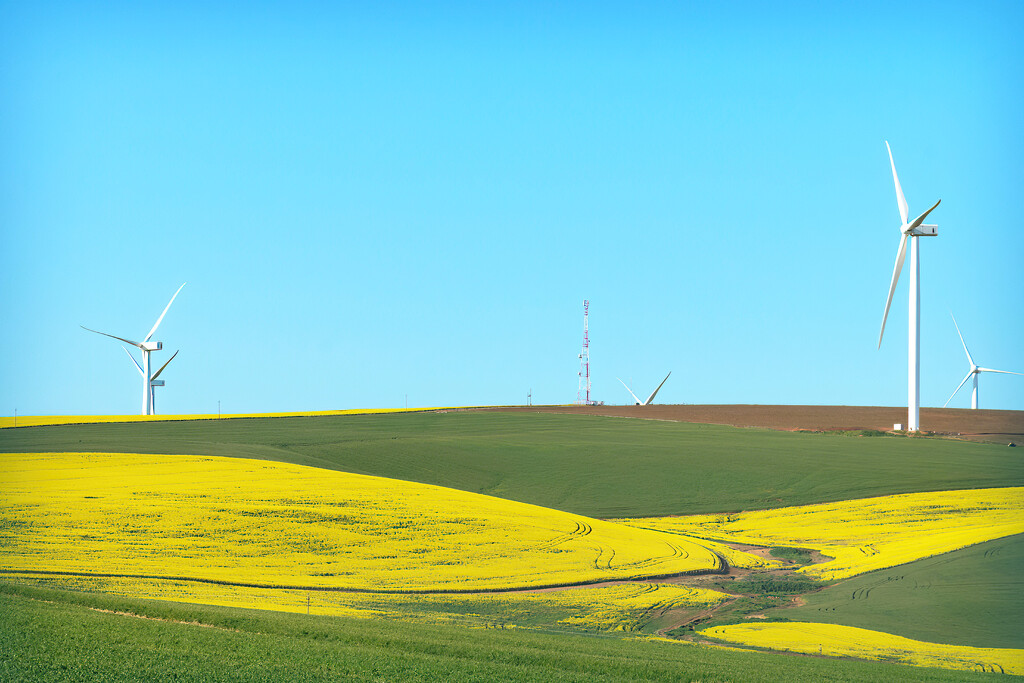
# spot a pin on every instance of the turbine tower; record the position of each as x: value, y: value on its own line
x: 973, y: 372
x: 912, y: 230
x: 146, y: 346
x: 153, y: 382
x: 653, y: 393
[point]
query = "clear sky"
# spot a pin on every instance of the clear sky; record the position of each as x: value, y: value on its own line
x: 386, y: 199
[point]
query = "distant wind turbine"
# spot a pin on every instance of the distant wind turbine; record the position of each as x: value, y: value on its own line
x: 973, y: 372
x: 146, y: 346
x: 653, y: 393
x: 912, y: 229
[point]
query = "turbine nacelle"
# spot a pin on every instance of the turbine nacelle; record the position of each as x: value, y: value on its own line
x: 151, y: 346
x: 924, y: 231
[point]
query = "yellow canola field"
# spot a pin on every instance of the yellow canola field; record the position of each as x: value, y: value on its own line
x: 867, y: 534
x: 281, y: 525
x: 847, y: 641
x: 43, y: 420
x: 619, y: 607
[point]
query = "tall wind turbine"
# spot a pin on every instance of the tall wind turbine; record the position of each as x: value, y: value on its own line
x: 973, y: 372
x: 146, y: 346
x: 653, y: 393
x: 912, y: 230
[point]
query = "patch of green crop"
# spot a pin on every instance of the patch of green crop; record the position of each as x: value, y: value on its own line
x: 596, y: 466
x: 971, y: 597
x: 48, y: 635
x: 794, y: 555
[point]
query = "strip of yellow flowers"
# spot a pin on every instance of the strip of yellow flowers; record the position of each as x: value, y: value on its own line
x: 847, y: 641
x: 619, y: 607
x: 43, y: 420
x: 282, y: 525
x: 867, y: 534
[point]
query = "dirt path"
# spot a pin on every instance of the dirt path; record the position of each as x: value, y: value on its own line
x: 996, y: 426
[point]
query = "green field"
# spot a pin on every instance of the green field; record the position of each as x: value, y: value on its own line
x: 57, y: 635
x: 595, y: 466
x: 971, y: 597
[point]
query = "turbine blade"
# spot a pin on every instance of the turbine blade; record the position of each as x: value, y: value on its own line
x: 160, y: 319
x: 126, y: 341
x: 655, y: 392
x: 630, y: 391
x: 134, y: 361
x: 957, y: 389
x: 1005, y: 372
x: 162, y: 366
x: 920, y: 219
x: 900, y: 199
x: 969, y: 359
x: 901, y: 253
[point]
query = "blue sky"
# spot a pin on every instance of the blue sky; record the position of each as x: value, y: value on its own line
x: 378, y: 200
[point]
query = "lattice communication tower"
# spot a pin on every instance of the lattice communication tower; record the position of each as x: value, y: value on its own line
x: 583, y: 392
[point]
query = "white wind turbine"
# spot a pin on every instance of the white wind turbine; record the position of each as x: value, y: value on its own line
x: 146, y: 346
x: 973, y: 372
x: 653, y: 393
x: 912, y: 230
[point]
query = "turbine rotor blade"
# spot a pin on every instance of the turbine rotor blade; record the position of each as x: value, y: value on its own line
x: 630, y: 391
x: 1005, y: 372
x: 126, y: 341
x: 655, y: 392
x: 162, y: 366
x: 901, y: 254
x: 957, y: 389
x: 160, y: 319
x: 900, y: 199
x: 920, y: 219
x: 134, y: 361
x: 969, y: 359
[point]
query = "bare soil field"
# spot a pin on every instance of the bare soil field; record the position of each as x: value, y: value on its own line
x: 996, y: 426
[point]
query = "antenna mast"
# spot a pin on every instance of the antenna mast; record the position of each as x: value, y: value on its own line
x: 583, y: 392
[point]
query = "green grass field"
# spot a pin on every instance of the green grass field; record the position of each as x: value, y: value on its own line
x: 974, y: 596
x: 57, y: 635
x: 595, y: 466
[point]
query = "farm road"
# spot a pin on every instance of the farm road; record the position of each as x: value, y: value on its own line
x: 996, y: 426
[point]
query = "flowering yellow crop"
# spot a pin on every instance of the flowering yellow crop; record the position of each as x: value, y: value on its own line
x: 41, y: 420
x: 617, y: 607
x: 868, y: 534
x: 281, y: 525
x: 847, y: 641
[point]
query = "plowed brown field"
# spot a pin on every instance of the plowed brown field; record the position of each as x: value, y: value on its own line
x: 998, y: 426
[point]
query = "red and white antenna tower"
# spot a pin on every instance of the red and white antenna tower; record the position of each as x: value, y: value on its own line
x: 583, y: 392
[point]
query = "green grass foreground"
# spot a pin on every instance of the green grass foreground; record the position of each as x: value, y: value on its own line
x: 973, y: 596
x: 595, y: 466
x: 59, y: 635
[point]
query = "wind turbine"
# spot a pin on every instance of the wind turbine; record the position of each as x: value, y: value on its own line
x: 973, y: 372
x: 653, y: 393
x: 146, y: 346
x: 912, y: 230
